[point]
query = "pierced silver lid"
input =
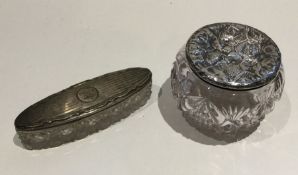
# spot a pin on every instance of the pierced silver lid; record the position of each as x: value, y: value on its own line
x: 233, y: 56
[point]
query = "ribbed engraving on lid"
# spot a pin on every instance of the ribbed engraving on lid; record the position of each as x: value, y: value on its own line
x: 83, y: 99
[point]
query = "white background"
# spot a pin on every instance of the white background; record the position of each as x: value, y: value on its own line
x: 47, y: 45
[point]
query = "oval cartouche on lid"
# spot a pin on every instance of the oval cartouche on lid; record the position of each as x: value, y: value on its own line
x: 84, y: 108
x: 233, y: 56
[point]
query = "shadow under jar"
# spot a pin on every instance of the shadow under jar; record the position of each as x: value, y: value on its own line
x: 226, y: 79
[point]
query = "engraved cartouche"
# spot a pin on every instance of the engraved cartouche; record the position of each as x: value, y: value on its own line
x: 84, y: 108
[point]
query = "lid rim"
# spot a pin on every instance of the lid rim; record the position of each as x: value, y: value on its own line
x: 227, y: 85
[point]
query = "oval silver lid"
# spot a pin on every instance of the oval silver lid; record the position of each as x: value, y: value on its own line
x: 233, y: 56
x: 83, y: 99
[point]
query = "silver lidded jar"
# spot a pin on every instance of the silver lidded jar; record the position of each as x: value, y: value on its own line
x: 226, y: 79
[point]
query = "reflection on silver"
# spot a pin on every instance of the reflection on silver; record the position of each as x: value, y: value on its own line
x: 223, y: 114
x: 233, y: 56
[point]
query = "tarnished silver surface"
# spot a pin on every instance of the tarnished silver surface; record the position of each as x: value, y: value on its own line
x: 233, y: 56
x: 84, y: 108
x: 221, y: 113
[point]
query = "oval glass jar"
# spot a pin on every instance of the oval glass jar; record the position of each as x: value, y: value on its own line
x: 226, y: 79
x: 84, y: 108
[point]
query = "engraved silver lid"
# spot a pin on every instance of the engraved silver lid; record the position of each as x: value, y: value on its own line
x: 83, y: 99
x: 233, y: 56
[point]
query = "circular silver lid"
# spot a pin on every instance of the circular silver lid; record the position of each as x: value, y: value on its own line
x: 233, y: 56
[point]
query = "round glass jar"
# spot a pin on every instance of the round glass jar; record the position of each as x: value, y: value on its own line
x: 226, y: 79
